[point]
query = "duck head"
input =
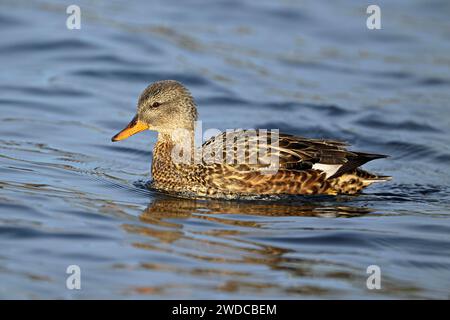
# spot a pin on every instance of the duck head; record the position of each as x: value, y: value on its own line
x: 164, y: 106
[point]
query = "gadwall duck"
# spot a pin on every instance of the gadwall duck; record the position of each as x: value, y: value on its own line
x: 239, y: 163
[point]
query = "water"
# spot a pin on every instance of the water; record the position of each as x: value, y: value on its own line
x: 70, y: 196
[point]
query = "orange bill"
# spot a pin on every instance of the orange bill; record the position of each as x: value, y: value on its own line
x: 133, y: 127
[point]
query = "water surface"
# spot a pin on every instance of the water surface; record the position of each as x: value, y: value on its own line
x: 70, y: 196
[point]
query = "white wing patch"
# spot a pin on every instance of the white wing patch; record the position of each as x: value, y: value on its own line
x: 329, y: 169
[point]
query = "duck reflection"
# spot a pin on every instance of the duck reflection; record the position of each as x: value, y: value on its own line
x: 217, y: 234
x: 162, y: 211
x: 169, y: 207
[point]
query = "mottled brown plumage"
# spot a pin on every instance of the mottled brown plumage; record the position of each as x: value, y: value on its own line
x: 241, y: 163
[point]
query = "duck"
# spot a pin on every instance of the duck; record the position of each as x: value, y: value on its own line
x: 239, y: 163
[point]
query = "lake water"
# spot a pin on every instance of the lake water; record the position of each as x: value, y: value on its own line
x: 68, y: 196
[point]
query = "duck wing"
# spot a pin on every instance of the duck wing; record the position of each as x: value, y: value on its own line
x: 255, y: 149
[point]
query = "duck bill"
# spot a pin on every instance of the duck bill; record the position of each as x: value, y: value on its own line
x: 132, y: 128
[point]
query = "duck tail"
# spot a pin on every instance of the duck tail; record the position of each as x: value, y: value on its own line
x: 354, y: 182
x: 369, y: 177
x: 355, y: 162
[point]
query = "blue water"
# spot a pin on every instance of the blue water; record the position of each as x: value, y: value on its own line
x: 68, y: 196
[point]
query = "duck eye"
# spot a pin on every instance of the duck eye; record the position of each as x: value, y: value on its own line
x: 156, y: 104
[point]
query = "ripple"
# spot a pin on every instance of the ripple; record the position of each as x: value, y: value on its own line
x: 139, y: 76
x: 26, y: 91
x: 409, y: 150
x: 47, y: 46
x: 344, y: 239
x: 143, y: 154
x: 8, y: 21
x: 10, y: 232
x: 433, y: 82
x: 376, y: 122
